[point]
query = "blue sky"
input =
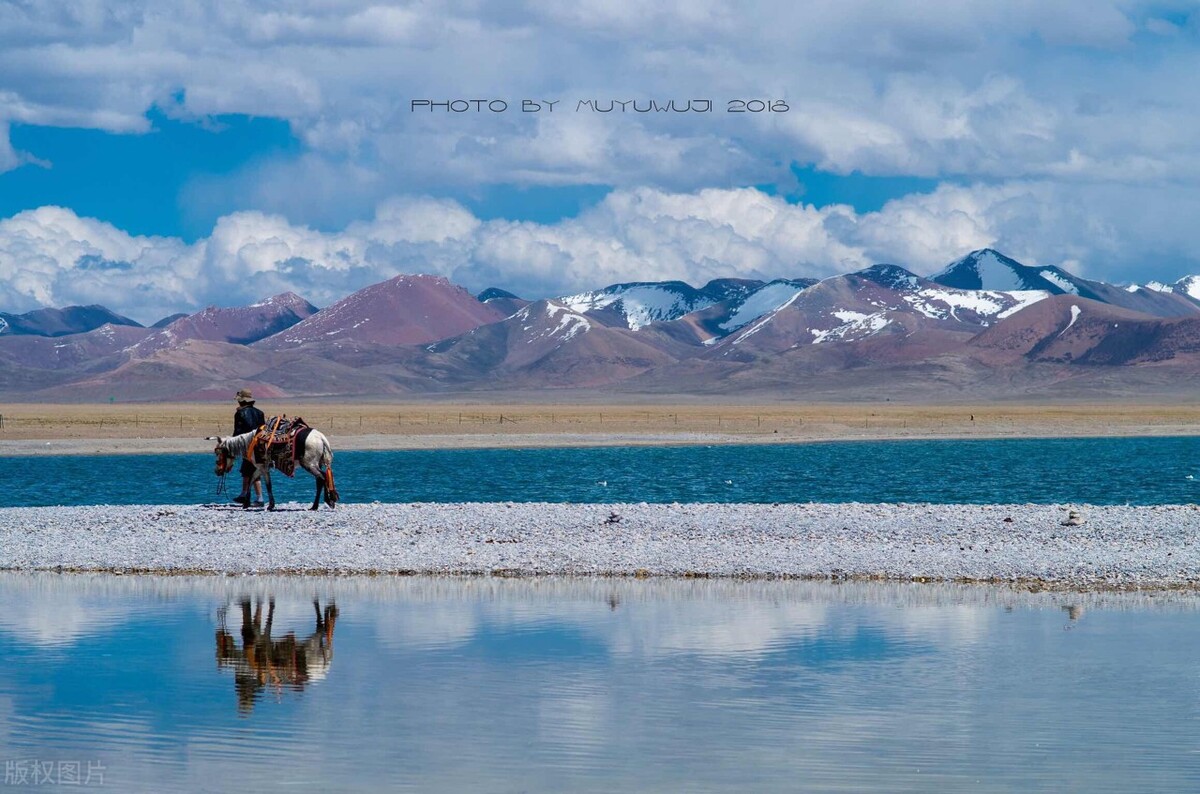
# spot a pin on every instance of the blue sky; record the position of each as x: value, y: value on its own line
x: 192, y: 146
x: 147, y: 184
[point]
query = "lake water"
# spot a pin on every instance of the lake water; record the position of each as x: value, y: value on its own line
x: 1091, y: 470
x: 548, y: 685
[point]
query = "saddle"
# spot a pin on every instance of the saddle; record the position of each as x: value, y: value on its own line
x: 279, y: 441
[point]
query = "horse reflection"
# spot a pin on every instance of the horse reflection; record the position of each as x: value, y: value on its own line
x: 264, y: 662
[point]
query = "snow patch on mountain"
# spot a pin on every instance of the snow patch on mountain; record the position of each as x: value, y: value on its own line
x: 641, y: 304
x: 569, y: 324
x: 942, y: 304
x: 567, y: 327
x: 1190, y: 286
x: 1024, y: 297
x: 765, y: 319
x: 855, y: 325
x: 1059, y: 281
x: 1075, y: 312
x: 994, y: 273
x: 766, y: 300
x: 939, y: 304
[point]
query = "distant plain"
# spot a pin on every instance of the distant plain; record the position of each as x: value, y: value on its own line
x: 178, y: 427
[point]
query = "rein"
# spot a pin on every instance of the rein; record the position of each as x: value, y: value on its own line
x: 224, y: 466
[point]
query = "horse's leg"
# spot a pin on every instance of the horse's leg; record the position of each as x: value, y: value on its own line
x: 320, y: 478
x: 320, y: 488
x: 266, y: 473
x: 247, y: 623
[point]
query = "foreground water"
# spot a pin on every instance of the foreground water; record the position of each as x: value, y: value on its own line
x: 149, y: 684
x: 1050, y: 471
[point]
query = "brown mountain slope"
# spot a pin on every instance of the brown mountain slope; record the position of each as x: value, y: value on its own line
x: 1068, y: 329
x: 404, y: 310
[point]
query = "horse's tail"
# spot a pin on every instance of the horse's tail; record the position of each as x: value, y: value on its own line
x: 326, y: 463
x: 326, y: 459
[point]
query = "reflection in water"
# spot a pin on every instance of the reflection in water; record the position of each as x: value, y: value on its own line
x: 598, y: 685
x: 262, y: 661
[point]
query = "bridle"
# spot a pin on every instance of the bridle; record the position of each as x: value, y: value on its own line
x: 225, y: 463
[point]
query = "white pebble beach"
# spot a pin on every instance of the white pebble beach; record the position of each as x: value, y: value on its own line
x: 1115, y: 548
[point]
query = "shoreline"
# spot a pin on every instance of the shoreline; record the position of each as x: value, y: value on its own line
x: 385, y: 442
x: 1022, y: 546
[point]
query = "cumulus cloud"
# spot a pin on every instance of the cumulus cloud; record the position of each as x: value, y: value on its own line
x: 52, y: 257
x: 1076, y: 90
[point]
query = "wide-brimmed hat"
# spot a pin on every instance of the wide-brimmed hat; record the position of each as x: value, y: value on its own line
x: 244, y: 396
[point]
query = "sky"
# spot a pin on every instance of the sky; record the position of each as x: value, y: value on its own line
x: 163, y: 156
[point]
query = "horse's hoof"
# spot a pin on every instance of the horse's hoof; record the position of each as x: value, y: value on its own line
x: 314, y: 507
x: 271, y: 508
x: 244, y: 501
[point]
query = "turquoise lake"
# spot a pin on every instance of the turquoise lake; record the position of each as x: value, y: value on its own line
x: 1087, y: 470
x: 547, y: 685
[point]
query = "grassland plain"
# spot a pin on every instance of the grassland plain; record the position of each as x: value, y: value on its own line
x: 176, y: 427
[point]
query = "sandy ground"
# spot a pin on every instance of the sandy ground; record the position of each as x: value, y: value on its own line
x: 131, y: 428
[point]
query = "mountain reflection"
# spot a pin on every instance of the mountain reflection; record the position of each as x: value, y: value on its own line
x: 263, y: 662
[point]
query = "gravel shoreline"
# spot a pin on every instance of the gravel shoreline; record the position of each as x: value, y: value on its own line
x: 1117, y: 547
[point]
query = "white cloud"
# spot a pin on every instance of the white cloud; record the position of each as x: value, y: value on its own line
x: 52, y: 257
x: 8, y: 156
x: 1021, y: 89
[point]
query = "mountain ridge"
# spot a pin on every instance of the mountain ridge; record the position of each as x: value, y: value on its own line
x: 417, y: 334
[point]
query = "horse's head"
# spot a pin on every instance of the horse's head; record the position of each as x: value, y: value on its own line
x: 225, y: 461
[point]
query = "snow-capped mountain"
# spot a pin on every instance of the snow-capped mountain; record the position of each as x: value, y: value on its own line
x: 422, y: 334
x: 987, y: 269
x: 882, y: 299
x: 638, y: 304
x: 764, y: 300
x: 990, y: 270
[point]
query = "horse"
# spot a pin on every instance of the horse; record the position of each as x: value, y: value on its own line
x: 316, y: 459
x: 262, y: 661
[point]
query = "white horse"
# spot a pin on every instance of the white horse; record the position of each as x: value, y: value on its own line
x: 316, y: 459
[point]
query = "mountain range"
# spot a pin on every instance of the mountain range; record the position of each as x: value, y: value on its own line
x: 984, y: 328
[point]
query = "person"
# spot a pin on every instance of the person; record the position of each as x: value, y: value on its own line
x: 245, y: 419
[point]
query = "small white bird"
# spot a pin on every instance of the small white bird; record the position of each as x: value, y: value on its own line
x: 602, y: 482
x: 729, y: 482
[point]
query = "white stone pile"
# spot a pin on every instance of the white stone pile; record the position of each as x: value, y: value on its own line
x: 1113, y: 546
